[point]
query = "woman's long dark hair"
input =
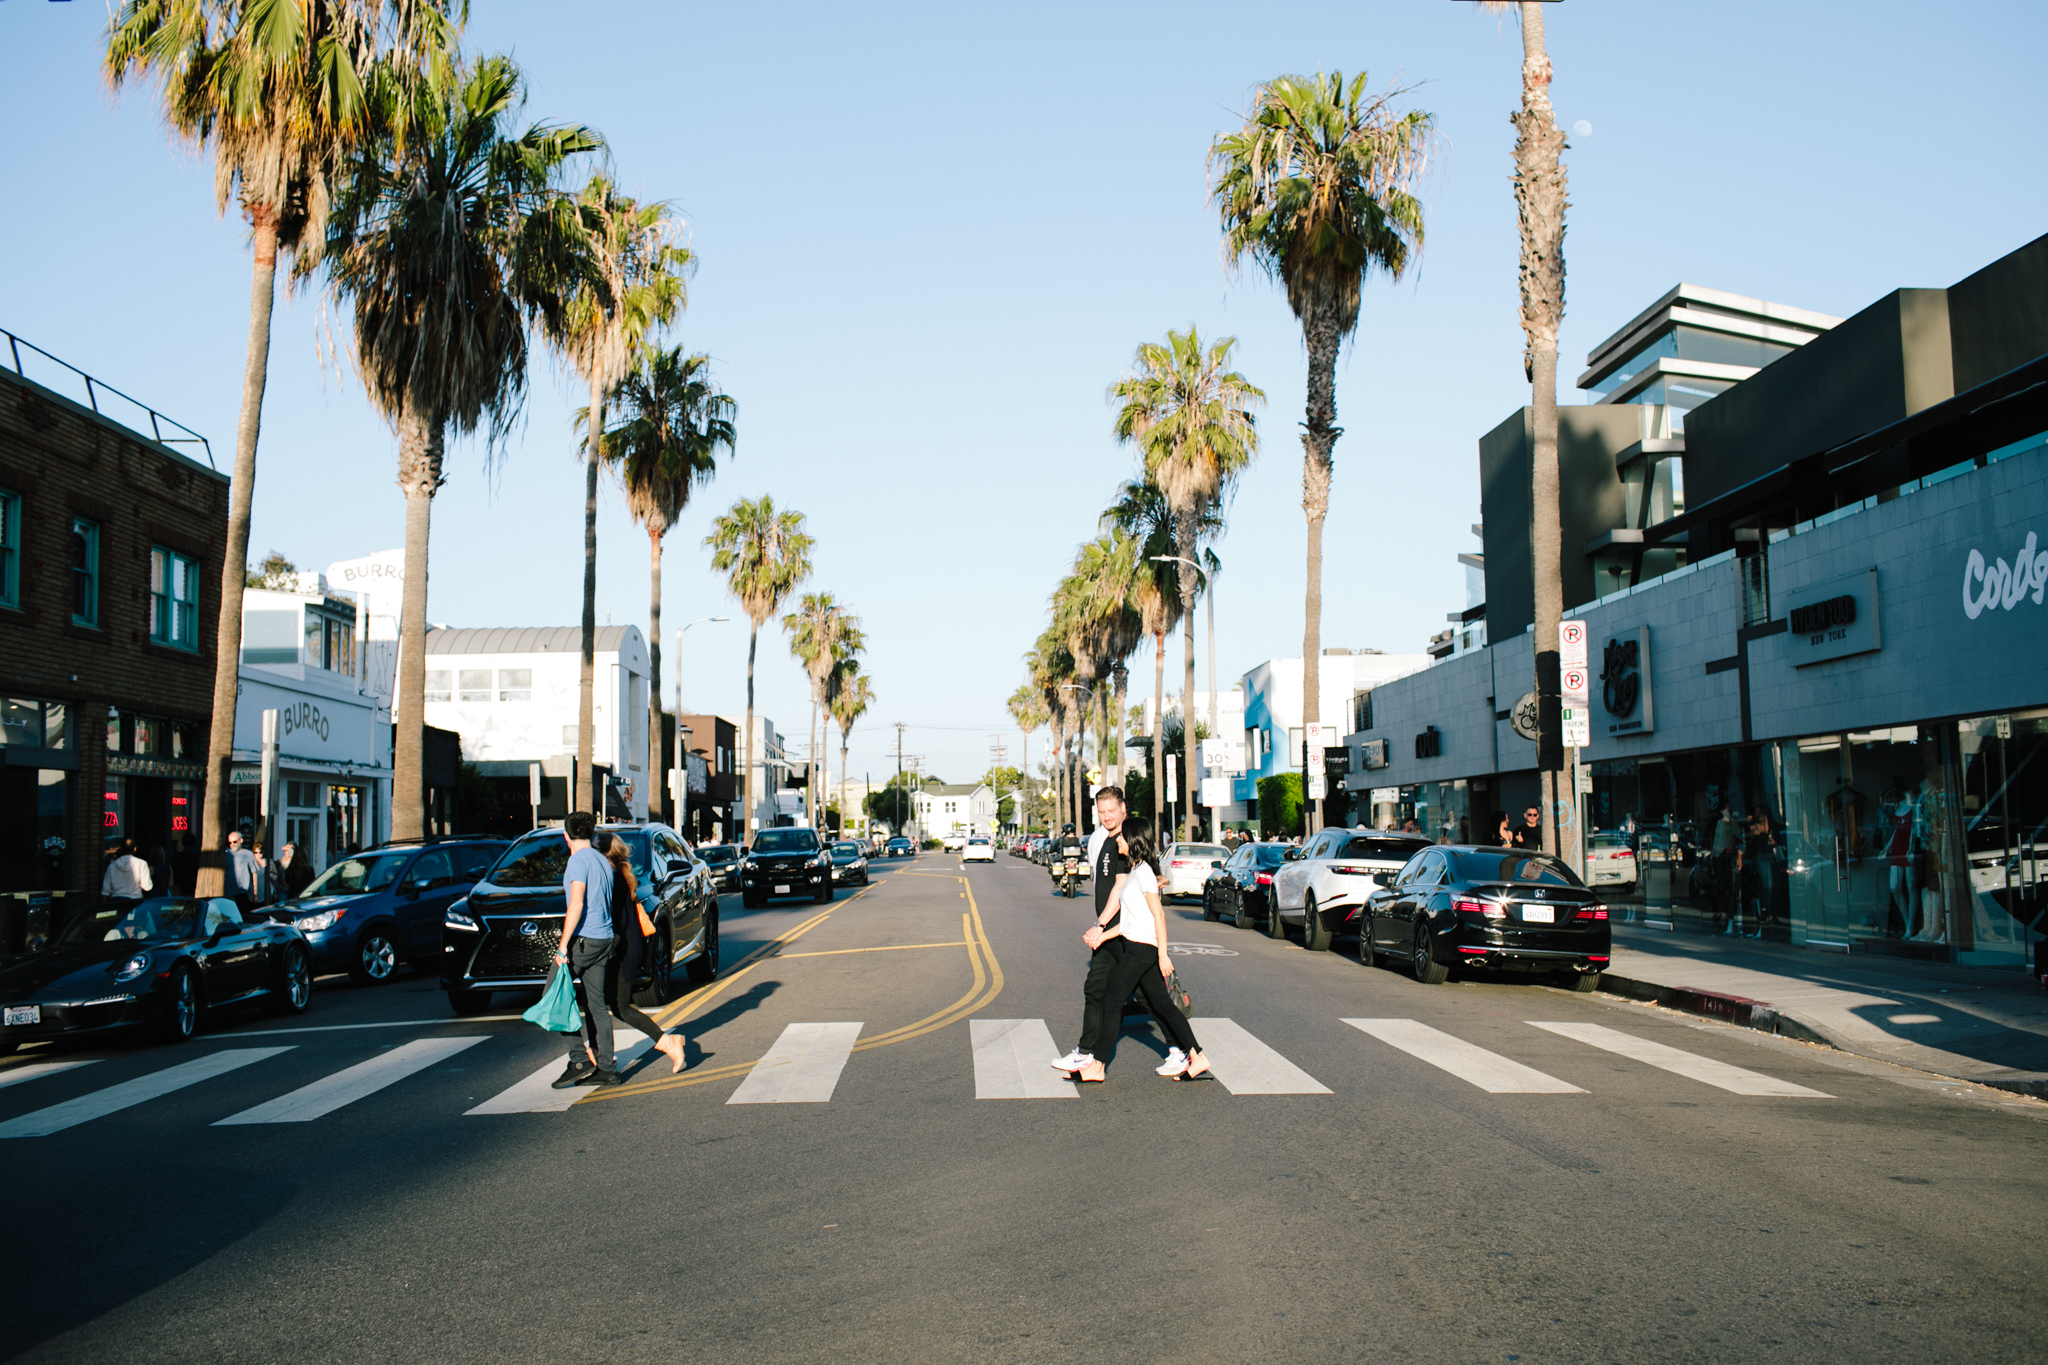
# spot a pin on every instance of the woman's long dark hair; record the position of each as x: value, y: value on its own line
x: 1137, y: 837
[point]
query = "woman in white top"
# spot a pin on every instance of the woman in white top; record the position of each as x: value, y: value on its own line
x: 1144, y: 965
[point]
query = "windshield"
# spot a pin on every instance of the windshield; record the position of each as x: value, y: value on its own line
x: 353, y: 876
x: 718, y: 853
x: 1607, y: 841
x: 1387, y: 850
x: 786, y: 841
x: 1527, y: 868
x: 147, y: 919
x: 1206, y: 852
x: 537, y: 860
x: 1270, y: 855
x: 847, y: 848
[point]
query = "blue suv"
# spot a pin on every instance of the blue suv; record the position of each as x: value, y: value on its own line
x: 375, y: 909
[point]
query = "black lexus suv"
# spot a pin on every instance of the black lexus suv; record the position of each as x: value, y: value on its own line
x: 785, y: 862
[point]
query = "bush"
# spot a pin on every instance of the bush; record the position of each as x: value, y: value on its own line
x: 931, y: 845
x: 1280, y: 802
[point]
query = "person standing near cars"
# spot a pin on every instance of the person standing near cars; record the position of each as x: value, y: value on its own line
x: 245, y: 872
x: 1530, y: 835
x: 1137, y: 942
x: 629, y: 950
x: 1108, y: 865
x: 127, y: 877
x: 585, y: 946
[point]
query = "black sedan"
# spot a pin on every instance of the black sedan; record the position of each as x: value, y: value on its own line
x: 900, y: 847
x: 1242, y: 889
x: 1503, y: 909
x: 156, y: 965
x: 785, y: 862
x: 724, y: 862
x: 850, y: 863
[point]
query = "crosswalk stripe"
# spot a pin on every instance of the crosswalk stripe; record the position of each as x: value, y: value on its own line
x: 802, y: 1068
x: 537, y: 1094
x: 114, y: 1098
x: 1011, y: 1061
x: 1246, y: 1066
x: 1489, y: 1071
x: 1687, y: 1064
x: 35, y: 1069
x: 350, y: 1084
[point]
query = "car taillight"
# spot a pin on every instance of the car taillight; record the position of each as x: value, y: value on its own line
x: 1265, y: 879
x: 1349, y: 871
x: 1486, y: 908
x: 1596, y: 912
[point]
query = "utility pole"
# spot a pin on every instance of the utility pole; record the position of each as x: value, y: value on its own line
x: 899, y: 777
x: 995, y: 775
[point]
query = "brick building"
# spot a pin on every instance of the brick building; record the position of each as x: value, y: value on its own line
x: 111, y: 543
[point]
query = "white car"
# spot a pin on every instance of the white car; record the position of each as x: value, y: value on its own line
x: 1186, y: 868
x: 1323, y: 888
x: 1610, y: 861
x: 953, y: 843
x: 978, y: 850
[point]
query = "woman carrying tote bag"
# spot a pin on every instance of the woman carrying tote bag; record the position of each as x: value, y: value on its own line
x: 1144, y: 965
x: 631, y: 931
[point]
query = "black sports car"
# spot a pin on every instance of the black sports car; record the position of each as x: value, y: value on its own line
x: 1501, y: 908
x: 1242, y: 888
x: 156, y: 964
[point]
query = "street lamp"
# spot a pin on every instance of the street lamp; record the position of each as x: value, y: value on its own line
x: 1209, y: 608
x: 682, y: 767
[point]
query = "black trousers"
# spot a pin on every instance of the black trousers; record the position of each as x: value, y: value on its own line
x: 1100, y: 967
x: 619, y: 975
x: 1137, y: 968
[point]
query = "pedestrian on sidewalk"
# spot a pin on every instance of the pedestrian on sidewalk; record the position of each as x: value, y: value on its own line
x: 245, y: 872
x: 1529, y: 834
x: 1727, y: 853
x: 1137, y: 938
x: 160, y: 880
x: 1108, y: 866
x: 1503, y: 831
x: 631, y: 929
x: 585, y: 945
x: 127, y: 877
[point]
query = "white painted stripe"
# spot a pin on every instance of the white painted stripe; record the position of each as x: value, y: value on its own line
x: 114, y: 1098
x: 350, y: 1084
x: 537, y: 1094
x: 1687, y: 1064
x: 1012, y: 1060
x: 1489, y: 1071
x: 802, y: 1068
x: 1246, y: 1066
x: 29, y: 1071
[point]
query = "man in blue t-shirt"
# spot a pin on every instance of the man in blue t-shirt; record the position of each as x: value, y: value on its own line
x: 586, y: 943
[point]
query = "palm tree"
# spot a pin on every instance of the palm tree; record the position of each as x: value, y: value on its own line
x: 634, y: 284
x: 1113, y: 573
x: 822, y: 635
x: 1191, y: 418
x: 1539, y: 205
x: 763, y: 554
x: 282, y: 94
x: 1314, y: 188
x: 849, y: 694
x: 449, y: 244
x: 1028, y: 709
x: 673, y: 420
x: 1050, y: 667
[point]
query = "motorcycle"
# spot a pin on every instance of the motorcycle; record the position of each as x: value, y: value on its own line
x: 1071, y: 873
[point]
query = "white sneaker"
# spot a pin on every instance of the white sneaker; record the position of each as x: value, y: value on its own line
x: 1176, y: 1062
x: 1074, y: 1061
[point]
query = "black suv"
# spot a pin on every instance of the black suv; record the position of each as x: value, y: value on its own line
x: 503, y: 935
x: 785, y: 862
x: 372, y: 910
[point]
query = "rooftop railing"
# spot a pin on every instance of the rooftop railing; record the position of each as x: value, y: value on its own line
x: 95, y: 389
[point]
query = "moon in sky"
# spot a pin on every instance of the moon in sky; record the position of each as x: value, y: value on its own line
x: 1583, y: 128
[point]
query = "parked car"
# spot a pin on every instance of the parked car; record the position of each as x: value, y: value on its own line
x: 1321, y: 885
x: 158, y: 966
x: 724, y: 862
x: 373, y: 910
x: 1610, y: 861
x: 1041, y: 849
x: 979, y: 849
x: 953, y: 843
x: 1185, y: 869
x: 1242, y: 889
x: 503, y: 935
x: 1500, y: 908
x: 900, y: 847
x: 785, y: 862
x: 850, y: 863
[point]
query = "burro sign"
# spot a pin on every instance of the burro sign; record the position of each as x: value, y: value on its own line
x: 1999, y: 586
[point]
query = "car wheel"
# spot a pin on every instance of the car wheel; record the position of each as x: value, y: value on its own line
x: 181, y: 1006
x: 294, y: 988
x: 1585, y: 983
x: 1368, y: 956
x: 1244, y: 916
x: 1427, y: 969
x: 656, y: 991
x: 703, y: 968
x: 1210, y: 913
x: 1315, y: 935
x: 469, y: 1004
x: 375, y: 960
x: 824, y: 896
x: 751, y: 899
x: 1275, y: 926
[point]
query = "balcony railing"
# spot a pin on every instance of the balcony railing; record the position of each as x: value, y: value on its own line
x: 95, y: 389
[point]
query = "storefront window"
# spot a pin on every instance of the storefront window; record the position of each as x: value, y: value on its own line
x: 21, y: 722
x: 114, y: 808
x: 2003, y: 788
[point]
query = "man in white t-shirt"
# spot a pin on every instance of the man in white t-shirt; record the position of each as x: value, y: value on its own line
x: 1107, y: 868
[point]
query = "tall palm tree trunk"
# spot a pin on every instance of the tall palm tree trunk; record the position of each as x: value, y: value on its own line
x: 1318, y: 444
x: 1059, y: 793
x: 811, y: 768
x: 1122, y: 679
x: 747, y: 743
x: 227, y: 651
x: 1185, y: 533
x: 1158, y: 758
x: 845, y: 819
x: 656, y: 765
x: 587, y: 791
x: 419, y: 475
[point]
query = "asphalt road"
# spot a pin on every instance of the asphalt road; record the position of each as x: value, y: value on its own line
x: 1415, y: 1202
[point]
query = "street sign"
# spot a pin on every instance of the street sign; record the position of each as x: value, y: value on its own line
x: 1216, y: 791
x: 1317, y: 788
x: 1095, y: 777
x: 1312, y: 740
x: 1571, y: 644
x: 1578, y: 727
x: 1577, y: 683
x: 1585, y: 779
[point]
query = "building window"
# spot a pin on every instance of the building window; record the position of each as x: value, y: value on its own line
x: 476, y: 684
x: 439, y: 683
x: 173, y: 599
x: 515, y: 684
x: 85, y: 572
x: 10, y: 548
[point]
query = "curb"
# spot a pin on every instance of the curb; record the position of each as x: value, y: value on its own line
x: 1746, y: 1013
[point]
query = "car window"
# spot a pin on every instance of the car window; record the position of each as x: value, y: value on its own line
x: 673, y: 848
x: 353, y: 876
x: 1270, y: 855
x: 1411, y: 875
x: 473, y: 860
x: 220, y: 914
x: 537, y: 860
x: 434, y: 867
x: 786, y: 841
x: 1384, y: 850
x: 1529, y: 868
x: 140, y: 920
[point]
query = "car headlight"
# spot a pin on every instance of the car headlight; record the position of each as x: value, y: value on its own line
x: 133, y: 967
x: 326, y: 919
x: 457, y: 916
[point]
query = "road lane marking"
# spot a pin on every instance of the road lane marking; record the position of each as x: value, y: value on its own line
x: 802, y: 1068
x: 451, y: 1021
x: 885, y: 948
x: 350, y: 1084
x: 1012, y: 1060
x: 1688, y: 1064
x: 1246, y: 1066
x: 1489, y: 1071
x: 536, y: 1094
x: 115, y: 1098
x: 35, y: 1069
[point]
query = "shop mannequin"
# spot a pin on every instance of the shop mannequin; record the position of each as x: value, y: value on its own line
x: 1902, y: 856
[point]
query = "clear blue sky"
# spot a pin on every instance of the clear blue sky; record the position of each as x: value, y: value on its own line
x: 932, y: 235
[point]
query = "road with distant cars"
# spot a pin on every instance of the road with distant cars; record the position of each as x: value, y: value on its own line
x: 868, y: 1157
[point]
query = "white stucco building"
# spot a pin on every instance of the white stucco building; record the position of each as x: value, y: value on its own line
x: 955, y: 808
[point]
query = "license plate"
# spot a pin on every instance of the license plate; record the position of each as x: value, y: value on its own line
x: 1538, y: 914
x: 781, y: 891
x: 24, y: 1014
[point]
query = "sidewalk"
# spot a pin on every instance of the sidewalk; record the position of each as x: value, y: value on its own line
x: 1970, y: 1024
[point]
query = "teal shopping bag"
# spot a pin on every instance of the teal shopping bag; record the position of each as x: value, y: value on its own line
x: 556, y: 1010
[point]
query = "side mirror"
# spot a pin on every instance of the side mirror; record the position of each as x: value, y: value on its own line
x: 1383, y: 878
x: 1293, y: 855
x: 1217, y: 865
